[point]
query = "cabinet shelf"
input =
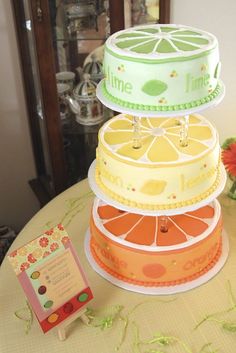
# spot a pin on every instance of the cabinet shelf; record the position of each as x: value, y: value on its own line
x: 74, y: 39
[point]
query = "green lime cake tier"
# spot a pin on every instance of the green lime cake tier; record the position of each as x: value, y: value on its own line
x: 161, y: 68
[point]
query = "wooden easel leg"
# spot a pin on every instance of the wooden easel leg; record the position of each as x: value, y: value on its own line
x: 61, y: 333
x: 61, y: 330
x: 84, y: 319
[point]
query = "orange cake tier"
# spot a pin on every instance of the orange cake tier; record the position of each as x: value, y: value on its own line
x: 161, y: 174
x: 135, y: 249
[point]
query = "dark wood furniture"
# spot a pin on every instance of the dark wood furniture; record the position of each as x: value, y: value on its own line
x: 63, y: 152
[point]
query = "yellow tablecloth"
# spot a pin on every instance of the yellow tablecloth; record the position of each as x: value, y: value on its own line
x: 177, y: 318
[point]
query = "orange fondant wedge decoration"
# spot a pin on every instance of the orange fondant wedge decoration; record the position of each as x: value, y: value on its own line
x: 146, y: 230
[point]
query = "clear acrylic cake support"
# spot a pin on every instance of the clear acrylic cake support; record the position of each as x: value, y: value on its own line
x: 137, y: 141
x: 184, y: 125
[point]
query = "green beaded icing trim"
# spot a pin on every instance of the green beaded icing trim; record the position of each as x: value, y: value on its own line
x: 160, y: 108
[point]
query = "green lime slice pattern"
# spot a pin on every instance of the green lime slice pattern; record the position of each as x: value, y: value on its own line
x: 161, y: 40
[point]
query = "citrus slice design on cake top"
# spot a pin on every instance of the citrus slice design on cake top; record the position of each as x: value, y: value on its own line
x: 158, y: 135
x: 160, y: 68
x: 135, y: 249
x: 146, y: 230
x: 163, y: 39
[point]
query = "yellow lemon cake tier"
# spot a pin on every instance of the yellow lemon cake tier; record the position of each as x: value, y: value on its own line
x: 162, y: 68
x: 160, y: 174
x: 134, y: 249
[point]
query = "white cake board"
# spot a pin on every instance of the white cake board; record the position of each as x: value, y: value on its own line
x: 155, y: 114
x: 160, y: 290
x: 170, y: 212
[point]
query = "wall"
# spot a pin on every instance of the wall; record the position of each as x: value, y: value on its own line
x: 217, y: 17
x: 17, y: 202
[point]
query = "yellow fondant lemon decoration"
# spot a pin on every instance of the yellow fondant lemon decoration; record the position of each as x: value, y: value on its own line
x: 153, y: 187
x: 159, y: 139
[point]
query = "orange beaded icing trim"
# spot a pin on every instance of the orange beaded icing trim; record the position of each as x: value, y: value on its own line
x: 159, y: 283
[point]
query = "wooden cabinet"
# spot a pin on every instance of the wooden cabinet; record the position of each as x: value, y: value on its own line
x: 59, y: 36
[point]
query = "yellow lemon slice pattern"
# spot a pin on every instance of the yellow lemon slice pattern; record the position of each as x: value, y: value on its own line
x: 159, y: 139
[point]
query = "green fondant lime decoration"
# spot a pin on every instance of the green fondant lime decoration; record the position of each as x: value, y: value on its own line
x: 149, y: 46
x: 154, y: 87
x: 148, y: 30
x: 162, y: 39
x: 48, y: 304
x: 165, y: 47
x: 217, y: 70
x: 183, y: 46
x: 130, y: 35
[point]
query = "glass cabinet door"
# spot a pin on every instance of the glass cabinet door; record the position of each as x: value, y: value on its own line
x: 79, y: 30
x: 34, y: 99
x: 61, y: 44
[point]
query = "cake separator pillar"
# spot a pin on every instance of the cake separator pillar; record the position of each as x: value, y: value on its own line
x: 137, y: 143
x: 164, y: 224
x: 183, y: 138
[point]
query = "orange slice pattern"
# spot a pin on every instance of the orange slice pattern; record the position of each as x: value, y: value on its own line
x: 146, y: 230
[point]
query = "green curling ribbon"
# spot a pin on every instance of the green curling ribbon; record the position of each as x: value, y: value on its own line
x: 226, y: 325
x: 26, y: 315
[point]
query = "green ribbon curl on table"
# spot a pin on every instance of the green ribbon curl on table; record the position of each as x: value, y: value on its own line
x: 226, y: 325
x: 26, y: 315
x: 74, y: 206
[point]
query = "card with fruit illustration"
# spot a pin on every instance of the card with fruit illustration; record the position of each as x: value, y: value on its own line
x: 51, y: 276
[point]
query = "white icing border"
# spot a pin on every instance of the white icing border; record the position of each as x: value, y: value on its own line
x: 188, y: 243
x: 160, y: 290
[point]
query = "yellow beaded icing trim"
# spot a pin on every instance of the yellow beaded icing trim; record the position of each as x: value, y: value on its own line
x: 144, y: 206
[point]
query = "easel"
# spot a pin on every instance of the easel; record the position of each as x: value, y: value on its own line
x: 61, y: 328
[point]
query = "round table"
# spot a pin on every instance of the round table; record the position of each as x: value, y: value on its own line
x: 173, y: 316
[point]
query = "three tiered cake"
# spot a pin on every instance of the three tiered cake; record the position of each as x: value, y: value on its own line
x: 156, y: 224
